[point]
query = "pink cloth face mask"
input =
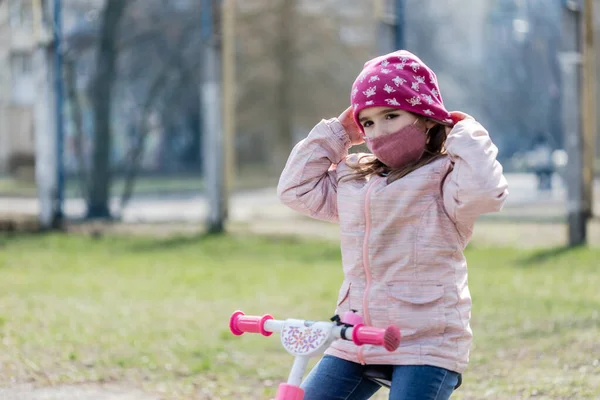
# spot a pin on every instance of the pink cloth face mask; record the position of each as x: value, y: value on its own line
x: 399, y: 149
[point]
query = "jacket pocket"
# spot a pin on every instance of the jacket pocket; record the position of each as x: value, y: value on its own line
x: 417, y: 310
x: 344, y: 293
x: 343, y: 301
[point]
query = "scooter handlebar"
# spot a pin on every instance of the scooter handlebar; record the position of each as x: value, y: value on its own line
x: 239, y: 323
x: 389, y: 338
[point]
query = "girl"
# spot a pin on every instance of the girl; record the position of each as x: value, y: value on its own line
x: 406, y: 213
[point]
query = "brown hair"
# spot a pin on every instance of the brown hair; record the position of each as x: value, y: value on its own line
x: 368, y: 165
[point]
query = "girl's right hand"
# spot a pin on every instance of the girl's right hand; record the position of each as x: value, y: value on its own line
x: 354, y: 132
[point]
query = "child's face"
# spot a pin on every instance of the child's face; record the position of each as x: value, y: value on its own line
x: 380, y: 121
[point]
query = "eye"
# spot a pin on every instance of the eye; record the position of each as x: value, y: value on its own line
x: 367, y: 124
x: 391, y: 116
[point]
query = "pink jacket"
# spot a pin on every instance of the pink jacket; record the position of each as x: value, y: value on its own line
x: 402, y: 244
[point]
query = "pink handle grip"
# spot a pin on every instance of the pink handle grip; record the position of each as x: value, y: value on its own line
x: 240, y: 323
x: 389, y: 338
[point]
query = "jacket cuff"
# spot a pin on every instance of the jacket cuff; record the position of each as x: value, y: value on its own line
x: 339, y: 132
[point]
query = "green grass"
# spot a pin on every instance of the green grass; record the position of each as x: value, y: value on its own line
x: 153, y: 313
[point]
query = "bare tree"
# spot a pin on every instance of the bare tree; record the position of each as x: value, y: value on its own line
x: 497, y: 60
x: 520, y: 84
x: 76, y: 115
x: 99, y: 195
x: 294, y: 69
x: 157, y: 55
x: 284, y: 53
x: 173, y: 73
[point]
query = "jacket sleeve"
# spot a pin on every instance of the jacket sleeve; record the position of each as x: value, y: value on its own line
x: 308, y: 183
x: 476, y: 184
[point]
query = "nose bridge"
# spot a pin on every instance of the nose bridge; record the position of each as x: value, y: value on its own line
x: 380, y: 129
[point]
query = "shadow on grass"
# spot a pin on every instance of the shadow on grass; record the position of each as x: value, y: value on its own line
x: 291, y: 247
x: 544, y: 255
x: 172, y: 242
x: 13, y: 236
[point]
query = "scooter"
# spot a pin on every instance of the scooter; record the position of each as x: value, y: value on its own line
x: 304, y: 339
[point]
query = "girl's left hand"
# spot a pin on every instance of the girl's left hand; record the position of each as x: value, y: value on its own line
x: 457, y: 116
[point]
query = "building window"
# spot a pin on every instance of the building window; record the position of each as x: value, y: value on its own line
x: 20, y: 13
x: 21, y: 65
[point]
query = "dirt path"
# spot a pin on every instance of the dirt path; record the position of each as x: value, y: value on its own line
x: 490, y: 232
x: 74, y: 392
x: 487, y: 233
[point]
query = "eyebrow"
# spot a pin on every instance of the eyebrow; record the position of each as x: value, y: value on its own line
x: 387, y: 110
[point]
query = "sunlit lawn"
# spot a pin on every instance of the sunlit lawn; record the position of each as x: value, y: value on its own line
x: 153, y: 313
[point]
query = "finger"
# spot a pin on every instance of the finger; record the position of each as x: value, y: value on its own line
x: 459, y: 116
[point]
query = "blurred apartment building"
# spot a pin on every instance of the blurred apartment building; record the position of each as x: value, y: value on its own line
x: 17, y: 90
x: 24, y: 32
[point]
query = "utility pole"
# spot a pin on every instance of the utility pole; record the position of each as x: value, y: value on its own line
x: 589, y: 106
x: 571, y: 74
x: 400, y: 32
x: 390, y: 25
x: 211, y: 111
x: 229, y: 93
x: 60, y: 132
x: 46, y: 159
x: 283, y: 54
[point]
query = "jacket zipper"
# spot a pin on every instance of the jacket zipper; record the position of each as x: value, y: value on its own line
x: 367, y: 318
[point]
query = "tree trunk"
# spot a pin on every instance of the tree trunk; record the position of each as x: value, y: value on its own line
x: 284, y: 115
x: 138, y: 149
x: 77, y: 117
x: 99, y: 195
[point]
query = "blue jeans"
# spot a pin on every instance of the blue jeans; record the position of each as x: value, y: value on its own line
x: 336, y: 379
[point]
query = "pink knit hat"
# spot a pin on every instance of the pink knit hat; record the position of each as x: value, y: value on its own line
x: 399, y: 80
